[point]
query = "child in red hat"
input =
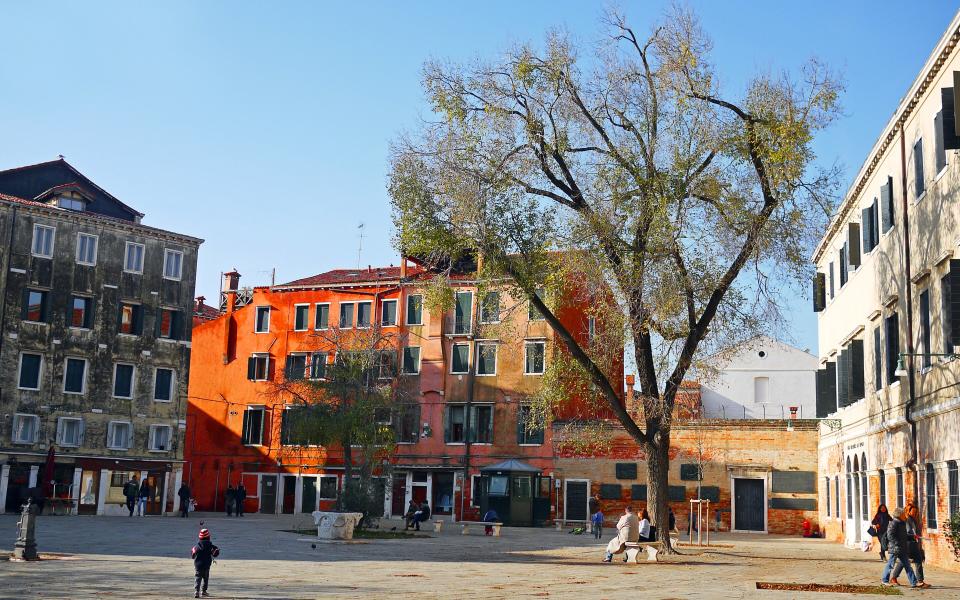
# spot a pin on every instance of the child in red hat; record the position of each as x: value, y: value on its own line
x: 203, y: 554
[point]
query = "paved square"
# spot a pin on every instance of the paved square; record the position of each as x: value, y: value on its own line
x: 120, y: 557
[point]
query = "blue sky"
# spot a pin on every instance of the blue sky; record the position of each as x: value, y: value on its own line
x: 264, y: 127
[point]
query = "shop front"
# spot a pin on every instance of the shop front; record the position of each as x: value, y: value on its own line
x: 517, y: 491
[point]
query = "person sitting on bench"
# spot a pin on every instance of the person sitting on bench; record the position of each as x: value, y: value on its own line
x: 490, y: 516
x: 647, y: 532
x: 628, y: 530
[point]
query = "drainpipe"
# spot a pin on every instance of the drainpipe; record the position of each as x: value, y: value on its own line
x: 6, y: 271
x: 911, y: 379
x: 471, y: 379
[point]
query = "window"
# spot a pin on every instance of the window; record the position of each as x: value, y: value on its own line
x: 953, y: 487
x: 159, y: 438
x: 363, y: 314
x: 892, y: 324
x: 328, y: 487
x: 831, y: 281
x: 408, y: 423
x: 481, y: 424
x: 940, y: 154
x: 534, y: 354
x: 321, y: 318
x: 883, y: 487
x: 81, y: 312
x: 849, y: 492
x: 172, y: 264
x: 252, y: 434
x: 86, y: 249
x: 131, y: 318
x: 28, y: 377
x: 119, y: 435
x: 300, y: 316
x: 877, y: 360
x: 123, y: 380
x: 525, y: 434
x: 296, y: 367
x: 900, y: 487
x: 945, y: 314
x: 346, y: 315
x: 74, y: 376
x: 415, y: 310
x: 411, y: 360
x: 258, y: 367
x: 887, y: 210
x: 43, y: 241
x: 532, y: 313
x: 460, y: 358
x: 262, y: 324
x: 836, y: 495
x: 34, y: 306
x: 69, y: 432
x: 864, y: 497
x: 318, y: 365
x: 295, y: 427
x: 925, y: 329
x: 133, y: 258
x: 919, y: 185
x: 455, y: 432
x: 931, y: 484
x: 844, y: 266
x: 168, y: 324
x: 388, y: 313
x: 486, y: 358
x: 463, y: 313
x: 387, y: 364
x: 827, y: 488
x: 761, y: 389
x: 70, y: 203
x: 490, y: 308
x: 163, y: 380
x: 25, y: 428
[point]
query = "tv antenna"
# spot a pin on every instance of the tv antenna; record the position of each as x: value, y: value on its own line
x: 360, y: 246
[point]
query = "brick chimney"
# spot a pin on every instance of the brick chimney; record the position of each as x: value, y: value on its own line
x: 231, y: 283
x: 630, y: 402
x: 199, y: 304
x: 403, y: 266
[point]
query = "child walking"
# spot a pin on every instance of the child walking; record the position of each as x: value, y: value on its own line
x: 203, y: 554
x: 597, y: 520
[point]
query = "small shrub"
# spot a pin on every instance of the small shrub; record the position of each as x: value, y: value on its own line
x: 952, y: 533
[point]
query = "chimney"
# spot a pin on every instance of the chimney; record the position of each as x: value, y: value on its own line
x: 629, y: 399
x: 231, y: 282
x: 403, y: 266
x: 199, y: 305
x: 793, y: 412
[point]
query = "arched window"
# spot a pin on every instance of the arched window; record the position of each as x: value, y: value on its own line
x: 836, y: 496
x: 883, y: 487
x: 827, y: 487
x: 856, y: 464
x: 849, y: 489
x: 863, y: 462
x: 931, y: 477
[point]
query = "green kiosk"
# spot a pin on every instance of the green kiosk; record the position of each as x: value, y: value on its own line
x: 517, y: 491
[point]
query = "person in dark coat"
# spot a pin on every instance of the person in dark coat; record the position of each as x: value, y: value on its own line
x: 898, y: 548
x: 130, y: 493
x: 911, y: 518
x: 230, y: 497
x: 412, y: 509
x: 421, y: 515
x: 203, y: 554
x: 184, y: 494
x: 880, y: 522
x: 239, y: 496
x: 142, y: 496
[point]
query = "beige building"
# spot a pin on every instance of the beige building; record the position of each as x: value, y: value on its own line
x: 889, y: 323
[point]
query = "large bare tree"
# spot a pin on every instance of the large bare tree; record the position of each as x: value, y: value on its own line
x: 680, y: 208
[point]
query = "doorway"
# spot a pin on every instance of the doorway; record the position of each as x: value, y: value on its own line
x: 575, y: 500
x: 308, y: 498
x: 749, y: 506
x: 443, y: 493
x: 289, y: 494
x: 398, y: 493
x: 156, y: 480
x: 268, y: 494
x: 89, y: 491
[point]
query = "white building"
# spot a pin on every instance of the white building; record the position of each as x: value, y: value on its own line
x: 761, y: 380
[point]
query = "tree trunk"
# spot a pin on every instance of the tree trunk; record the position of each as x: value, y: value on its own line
x: 658, y: 469
x: 347, y: 473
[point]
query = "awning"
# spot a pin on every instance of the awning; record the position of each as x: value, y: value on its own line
x: 514, y: 465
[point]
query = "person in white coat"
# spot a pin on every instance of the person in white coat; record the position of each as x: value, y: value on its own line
x: 628, y: 530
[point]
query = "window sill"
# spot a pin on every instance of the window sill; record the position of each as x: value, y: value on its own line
x: 74, y: 393
x: 920, y: 197
x: 411, y: 374
x: 86, y: 264
x: 385, y: 326
x: 122, y: 397
x: 77, y: 329
x: 459, y: 373
x: 531, y: 445
x: 36, y: 322
x: 267, y: 331
x: 941, y: 173
x: 18, y: 443
x: 168, y: 340
x: 118, y: 449
x: 414, y: 324
x: 172, y: 278
x: 128, y: 335
x: 486, y: 374
x: 159, y: 401
x: 40, y: 256
x: 300, y: 330
x: 455, y: 443
x: 534, y: 374
x: 159, y: 451
x: 25, y: 389
x: 253, y: 445
x: 140, y: 272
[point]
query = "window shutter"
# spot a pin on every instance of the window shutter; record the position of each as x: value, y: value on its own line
x: 874, y: 225
x: 954, y: 302
x: 919, y: 181
x: 948, y: 121
x: 856, y: 371
x: 831, y: 281
x: 269, y: 368
x: 819, y: 292
x: 251, y: 368
x: 886, y: 205
x: 823, y: 400
x: 843, y: 378
x: 853, y: 244
x: 288, y: 368
x: 138, y: 319
x: 939, y: 154
x: 865, y: 230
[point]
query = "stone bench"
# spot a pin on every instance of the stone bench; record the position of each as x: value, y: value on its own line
x: 465, y: 527
x: 653, y: 550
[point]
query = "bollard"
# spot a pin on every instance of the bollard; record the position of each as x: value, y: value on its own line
x: 25, y: 547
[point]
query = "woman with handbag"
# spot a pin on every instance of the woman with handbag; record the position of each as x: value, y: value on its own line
x: 879, y: 528
x: 911, y: 516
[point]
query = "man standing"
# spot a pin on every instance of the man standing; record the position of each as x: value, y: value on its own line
x: 184, y: 494
x: 130, y: 493
x: 628, y: 530
x: 240, y: 495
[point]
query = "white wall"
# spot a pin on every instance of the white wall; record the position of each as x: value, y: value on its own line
x: 731, y: 392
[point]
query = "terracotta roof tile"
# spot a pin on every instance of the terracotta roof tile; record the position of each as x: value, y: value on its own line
x: 348, y: 276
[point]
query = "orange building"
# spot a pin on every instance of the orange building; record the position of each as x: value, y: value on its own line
x: 467, y: 373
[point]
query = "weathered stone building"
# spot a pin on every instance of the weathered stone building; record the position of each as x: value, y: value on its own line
x: 95, y: 343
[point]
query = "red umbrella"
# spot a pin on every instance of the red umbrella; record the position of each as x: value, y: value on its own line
x: 47, y: 485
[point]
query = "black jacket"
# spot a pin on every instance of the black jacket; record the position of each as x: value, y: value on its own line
x: 204, y: 553
x: 184, y: 493
x: 240, y: 493
x: 130, y: 489
x: 882, y: 520
x: 897, y: 539
x: 144, y: 491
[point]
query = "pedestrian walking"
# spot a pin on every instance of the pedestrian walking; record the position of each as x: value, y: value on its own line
x: 880, y: 522
x: 897, y: 548
x: 230, y: 499
x: 915, y: 551
x: 203, y: 554
x: 142, y: 496
x: 239, y: 496
x: 597, y: 520
x: 130, y: 489
x: 184, y: 494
